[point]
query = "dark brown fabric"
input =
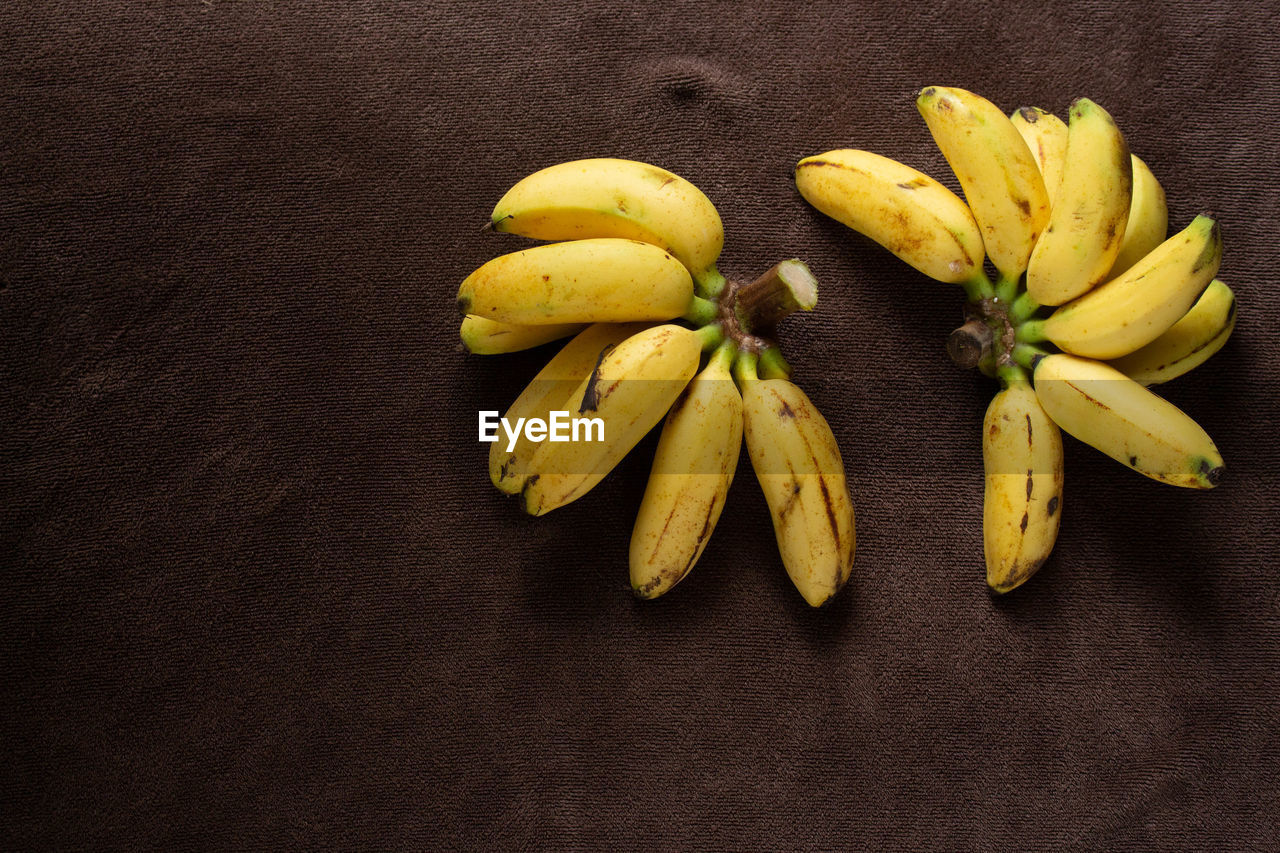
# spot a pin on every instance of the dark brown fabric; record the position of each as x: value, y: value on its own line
x: 260, y: 593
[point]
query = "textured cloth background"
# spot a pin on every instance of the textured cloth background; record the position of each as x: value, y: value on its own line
x: 259, y: 593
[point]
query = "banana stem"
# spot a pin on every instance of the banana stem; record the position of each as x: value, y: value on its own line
x: 711, y: 336
x: 1012, y: 374
x: 722, y: 358
x: 787, y: 287
x: 744, y: 368
x: 709, y: 283
x: 978, y: 288
x: 772, y: 365
x: 970, y: 344
x: 1022, y: 309
x: 701, y: 311
x: 1027, y: 355
x: 1006, y: 288
x: 1030, y: 332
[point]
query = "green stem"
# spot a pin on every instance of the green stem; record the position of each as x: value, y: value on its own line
x: 978, y: 288
x: 1030, y: 332
x: 1028, y: 356
x: 772, y: 365
x: 722, y: 358
x: 1022, y: 309
x: 1006, y: 288
x: 744, y: 369
x: 702, y: 311
x: 1011, y: 374
x: 711, y: 335
x: 709, y: 283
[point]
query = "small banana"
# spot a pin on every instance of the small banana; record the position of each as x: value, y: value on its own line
x: 489, y: 337
x: 1188, y: 343
x: 603, y: 280
x: 549, y: 391
x: 692, y: 470
x: 1131, y: 311
x: 1090, y: 211
x: 902, y: 209
x: 1046, y: 136
x: 630, y: 389
x: 1022, y: 503
x: 1148, y: 224
x: 996, y: 170
x: 1109, y: 411
x: 795, y: 457
x: 610, y: 197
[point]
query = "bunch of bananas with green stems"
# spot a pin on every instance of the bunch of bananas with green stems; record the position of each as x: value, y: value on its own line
x: 1092, y: 301
x: 657, y: 332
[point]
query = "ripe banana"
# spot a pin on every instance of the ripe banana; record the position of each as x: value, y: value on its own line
x: 1188, y: 343
x: 630, y: 389
x: 549, y: 391
x: 1109, y: 411
x: 1022, y: 504
x: 1131, y: 311
x: 692, y: 470
x: 489, y: 337
x: 1090, y: 211
x: 902, y: 209
x: 609, y: 197
x: 796, y: 459
x: 1046, y: 136
x: 603, y: 280
x: 995, y: 168
x: 1148, y: 224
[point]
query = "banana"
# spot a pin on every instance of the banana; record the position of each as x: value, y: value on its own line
x: 489, y: 337
x: 1131, y: 311
x: 996, y: 170
x: 1087, y: 225
x: 603, y: 280
x: 1022, y: 503
x: 629, y: 391
x: 610, y: 197
x: 1046, y: 136
x: 902, y: 209
x: 798, y: 464
x: 1188, y: 343
x: 1109, y: 411
x: 692, y: 470
x: 549, y: 390
x: 1148, y: 224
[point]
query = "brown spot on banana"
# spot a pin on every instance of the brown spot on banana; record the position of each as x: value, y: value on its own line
x: 1023, y: 525
x: 1053, y: 505
x: 831, y: 513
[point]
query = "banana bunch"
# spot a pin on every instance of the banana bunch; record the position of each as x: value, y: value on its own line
x: 1087, y: 302
x: 627, y: 271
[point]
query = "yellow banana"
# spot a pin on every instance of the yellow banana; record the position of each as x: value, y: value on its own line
x: 996, y: 170
x: 798, y: 464
x: 1109, y: 411
x: 489, y: 337
x: 1046, y: 136
x: 549, y: 391
x: 1148, y: 224
x: 610, y: 197
x: 902, y: 209
x: 1022, y: 503
x: 692, y: 471
x: 1131, y: 311
x: 1090, y: 211
x: 1188, y: 343
x: 628, y: 392
x: 603, y: 280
